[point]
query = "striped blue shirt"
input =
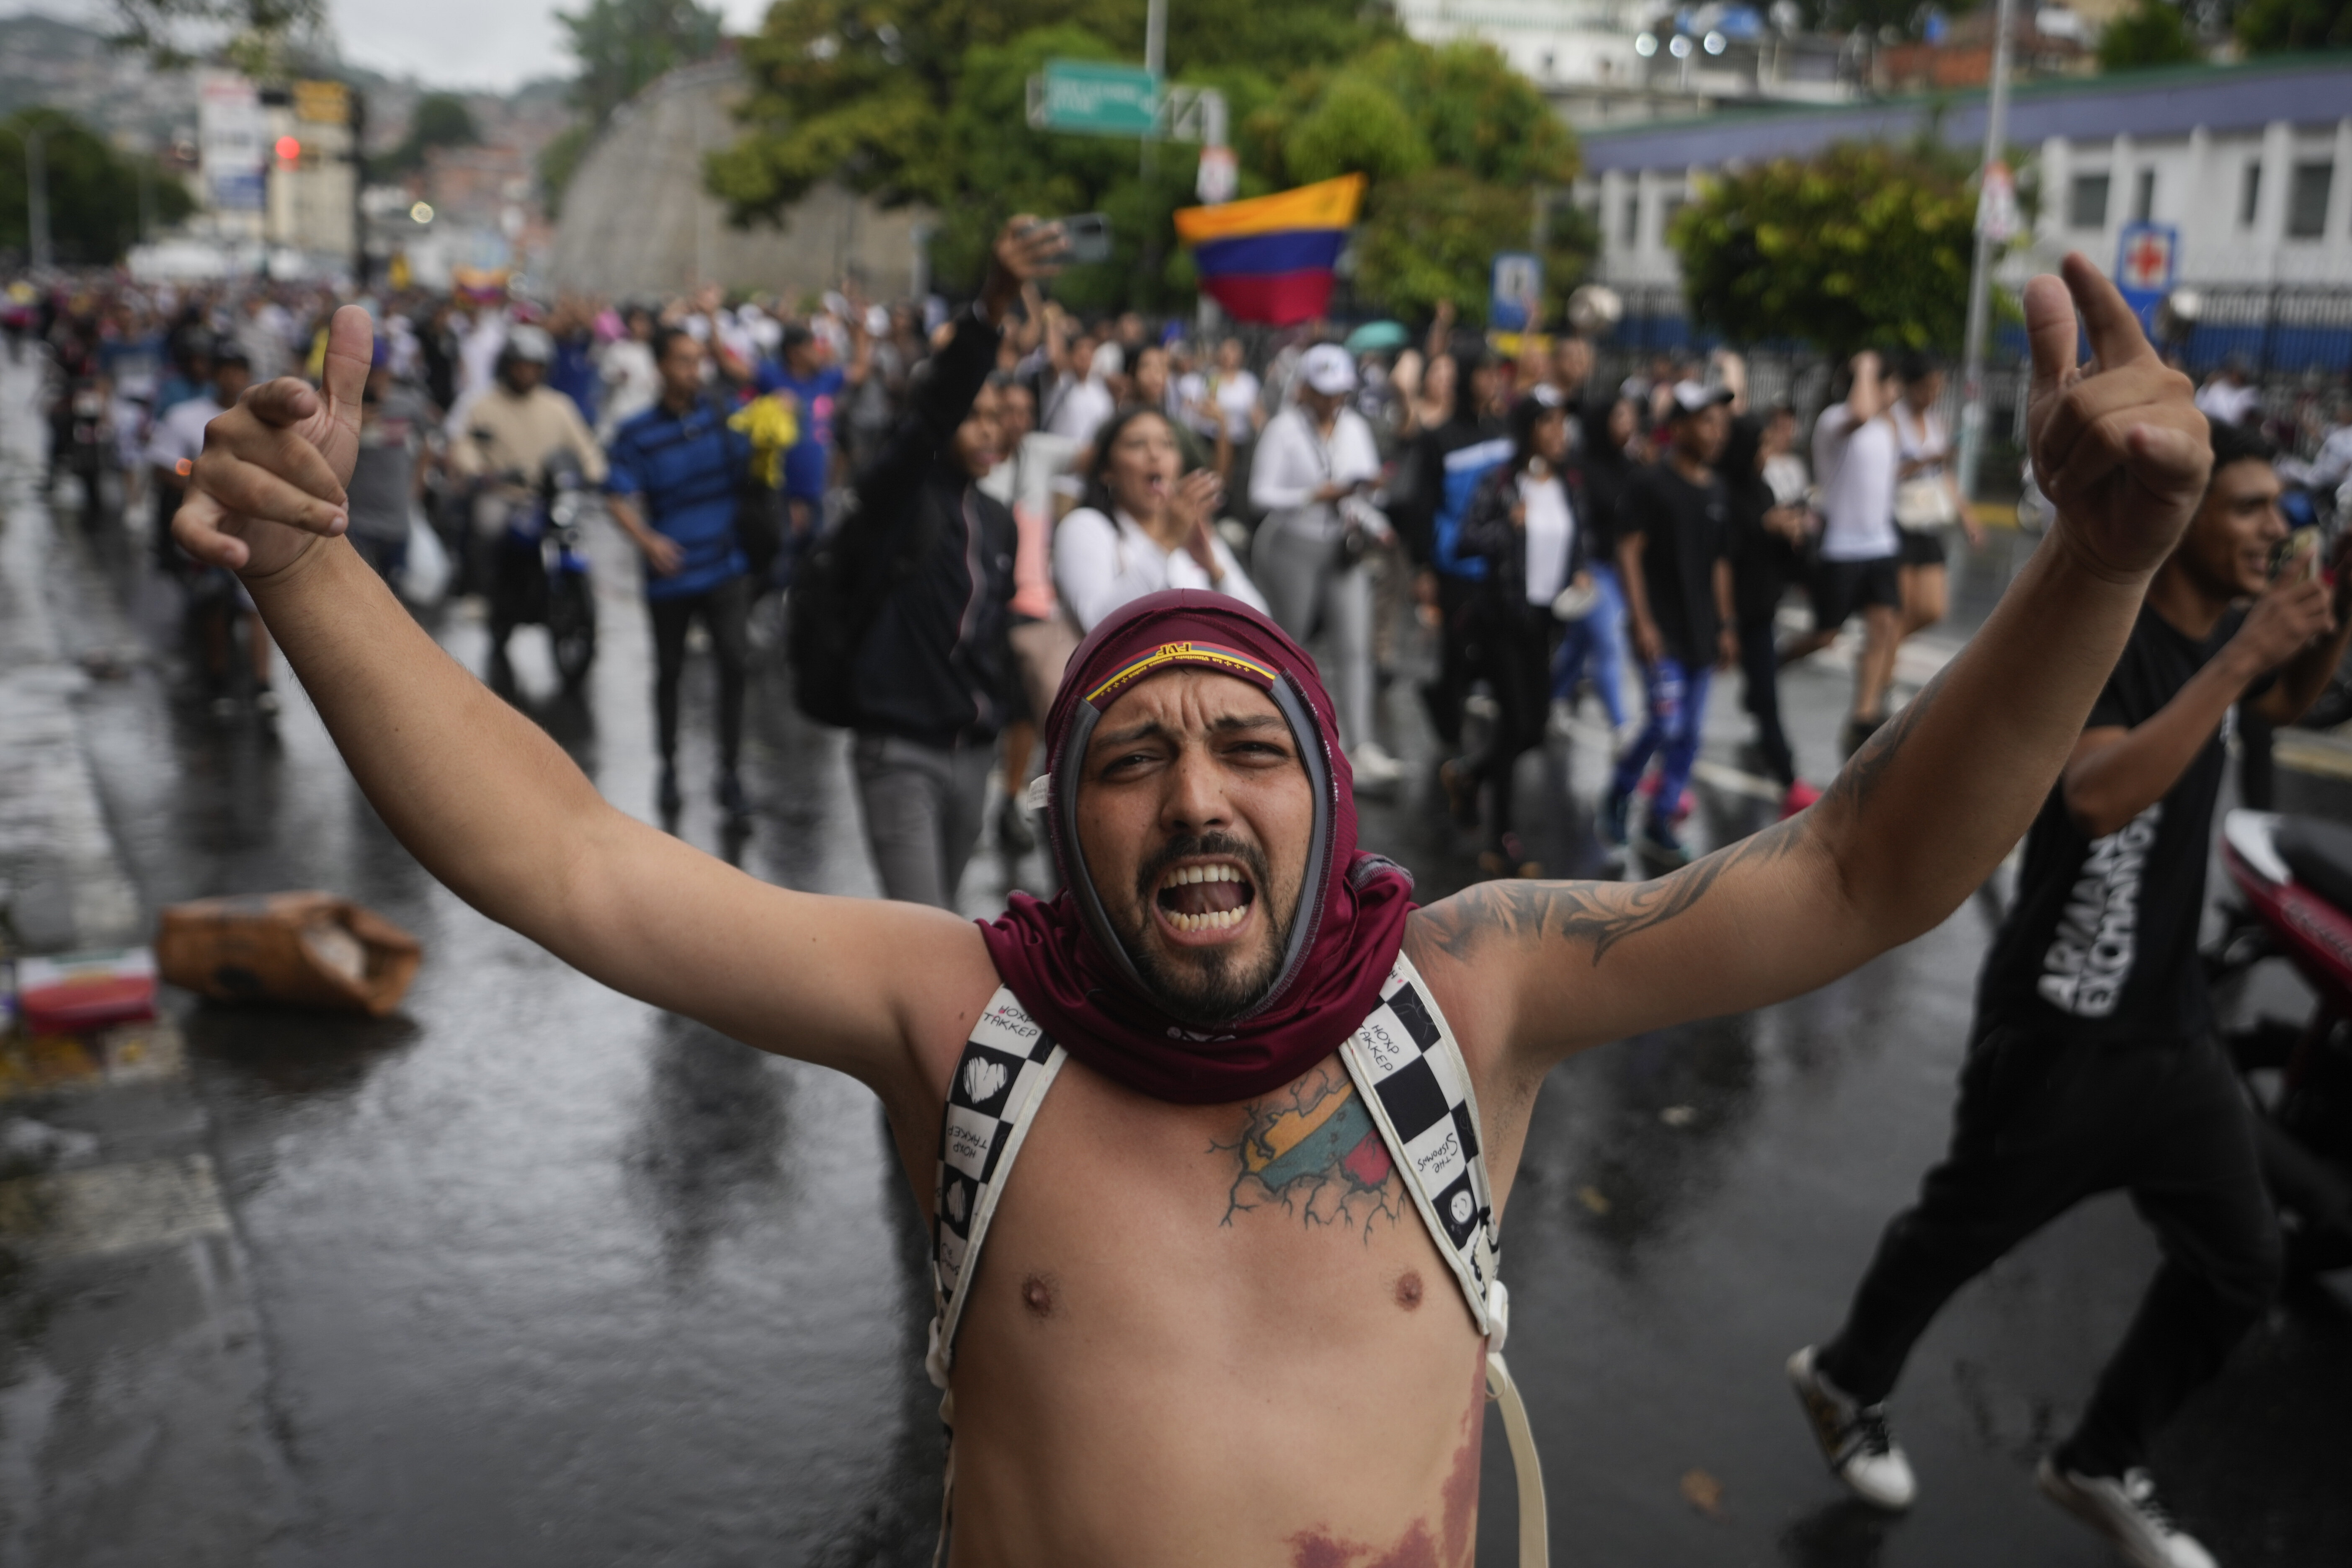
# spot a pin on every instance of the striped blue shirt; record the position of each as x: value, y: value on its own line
x: 682, y: 469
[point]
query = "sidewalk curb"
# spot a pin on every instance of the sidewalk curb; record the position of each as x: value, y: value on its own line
x: 127, y: 1303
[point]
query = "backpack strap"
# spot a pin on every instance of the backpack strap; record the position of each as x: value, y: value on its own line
x: 1411, y: 1073
x: 1413, y: 1080
x: 999, y: 1083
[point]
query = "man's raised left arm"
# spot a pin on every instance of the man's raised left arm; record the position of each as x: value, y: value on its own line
x: 1935, y: 800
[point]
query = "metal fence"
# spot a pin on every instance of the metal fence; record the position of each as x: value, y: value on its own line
x: 2289, y: 334
x: 2298, y: 342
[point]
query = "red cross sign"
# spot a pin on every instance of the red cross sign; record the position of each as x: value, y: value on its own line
x: 2147, y: 258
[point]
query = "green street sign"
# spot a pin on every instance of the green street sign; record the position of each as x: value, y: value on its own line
x: 1094, y: 99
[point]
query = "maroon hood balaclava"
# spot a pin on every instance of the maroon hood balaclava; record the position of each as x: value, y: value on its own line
x: 1068, y: 967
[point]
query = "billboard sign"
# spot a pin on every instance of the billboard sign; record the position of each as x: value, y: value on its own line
x: 232, y: 142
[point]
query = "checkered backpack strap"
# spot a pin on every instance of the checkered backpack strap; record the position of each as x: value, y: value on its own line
x: 1411, y: 1073
x: 998, y: 1086
x: 1409, y: 1070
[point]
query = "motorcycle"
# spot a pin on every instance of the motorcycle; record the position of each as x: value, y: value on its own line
x: 88, y: 427
x: 2293, y: 881
x: 540, y: 573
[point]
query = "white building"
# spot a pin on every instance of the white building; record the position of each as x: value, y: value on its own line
x: 2252, y: 162
x: 1611, y: 61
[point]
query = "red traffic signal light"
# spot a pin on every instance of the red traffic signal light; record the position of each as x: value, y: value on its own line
x: 289, y: 149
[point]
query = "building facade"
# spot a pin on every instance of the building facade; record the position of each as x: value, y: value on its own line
x: 1605, y: 62
x: 2250, y: 164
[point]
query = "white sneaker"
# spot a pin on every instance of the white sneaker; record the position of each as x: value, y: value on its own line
x: 1853, y: 1439
x: 1375, y: 768
x: 2127, y: 1510
x: 1559, y: 724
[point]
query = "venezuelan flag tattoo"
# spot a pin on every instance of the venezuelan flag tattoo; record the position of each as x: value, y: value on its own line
x: 1311, y: 1148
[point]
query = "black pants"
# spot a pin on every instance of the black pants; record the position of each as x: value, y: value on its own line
x: 1759, y: 668
x: 725, y: 613
x: 2044, y: 1123
x: 1458, y: 656
x: 1518, y: 640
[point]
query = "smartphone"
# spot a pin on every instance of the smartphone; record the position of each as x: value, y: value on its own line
x: 2301, y: 541
x: 1087, y: 237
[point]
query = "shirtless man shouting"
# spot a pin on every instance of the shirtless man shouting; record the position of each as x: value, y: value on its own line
x: 1265, y: 1109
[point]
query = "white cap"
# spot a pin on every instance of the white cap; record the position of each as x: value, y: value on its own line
x: 1690, y: 397
x: 1327, y: 368
x: 528, y: 342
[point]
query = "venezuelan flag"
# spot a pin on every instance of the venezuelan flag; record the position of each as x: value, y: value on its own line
x: 1270, y: 259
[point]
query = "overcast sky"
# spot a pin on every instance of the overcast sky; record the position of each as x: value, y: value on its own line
x: 469, y: 43
x: 490, y: 44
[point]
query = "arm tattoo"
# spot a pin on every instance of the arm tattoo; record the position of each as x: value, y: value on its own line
x: 1605, y: 913
x: 1859, y: 780
x: 1600, y: 914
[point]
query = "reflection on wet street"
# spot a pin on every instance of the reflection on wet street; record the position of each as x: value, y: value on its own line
x: 532, y: 1274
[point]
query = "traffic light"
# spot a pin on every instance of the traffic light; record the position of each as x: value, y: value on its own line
x: 289, y: 151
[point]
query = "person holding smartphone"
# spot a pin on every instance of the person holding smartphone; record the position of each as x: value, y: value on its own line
x: 1316, y: 462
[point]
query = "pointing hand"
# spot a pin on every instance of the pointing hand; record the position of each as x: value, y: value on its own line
x: 270, y: 484
x: 2118, y: 447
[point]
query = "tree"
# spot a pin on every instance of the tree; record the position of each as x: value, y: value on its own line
x: 2270, y: 26
x: 439, y: 119
x: 1864, y: 246
x: 925, y: 100
x: 622, y: 45
x: 2152, y: 33
x: 93, y: 189
x: 1456, y: 145
x: 253, y: 35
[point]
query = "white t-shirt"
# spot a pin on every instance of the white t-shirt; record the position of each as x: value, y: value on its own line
x: 632, y: 382
x: 179, y: 435
x: 1235, y: 395
x: 1920, y: 435
x: 2226, y: 404
x: 1551, y: 532
x: 1100, y: 565
x: 1785, y: 473
x: 1857, y: 473
x: 1077, y: 408
x: 1293, y: 461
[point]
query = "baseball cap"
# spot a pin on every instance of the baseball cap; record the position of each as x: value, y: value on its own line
x: 1694, y: 397
x: 1327, y: 368
x: 529, y: 343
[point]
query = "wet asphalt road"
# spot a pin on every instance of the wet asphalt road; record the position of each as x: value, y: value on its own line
x: 544, y: 1276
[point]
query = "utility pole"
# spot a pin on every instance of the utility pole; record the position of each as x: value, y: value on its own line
x: 1972, y: 355
x: 37, y: 197
x: 1155, y: 60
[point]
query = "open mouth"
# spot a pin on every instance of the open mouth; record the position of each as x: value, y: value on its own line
x: 1206, y: 901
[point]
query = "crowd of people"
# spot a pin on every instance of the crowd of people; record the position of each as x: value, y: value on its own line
x: 1555, y: 535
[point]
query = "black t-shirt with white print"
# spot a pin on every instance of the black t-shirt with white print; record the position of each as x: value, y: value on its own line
x: 2101, y: 942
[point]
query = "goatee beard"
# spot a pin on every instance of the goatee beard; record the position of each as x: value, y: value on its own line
x: 1208, y: 986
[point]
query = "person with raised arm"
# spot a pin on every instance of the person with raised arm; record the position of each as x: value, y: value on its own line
x: 1237, y: 1300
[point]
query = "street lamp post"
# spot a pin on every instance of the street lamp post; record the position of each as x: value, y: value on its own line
x: 36, y: 192
x: 36, y: 195
x: 1972, y: 352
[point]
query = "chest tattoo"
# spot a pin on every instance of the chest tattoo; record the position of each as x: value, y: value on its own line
x: 1311, y: 1148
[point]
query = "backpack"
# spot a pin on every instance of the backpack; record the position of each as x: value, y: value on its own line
x: 837, y: 592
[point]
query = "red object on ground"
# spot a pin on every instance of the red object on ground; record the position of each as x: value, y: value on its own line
x: 85, y: 991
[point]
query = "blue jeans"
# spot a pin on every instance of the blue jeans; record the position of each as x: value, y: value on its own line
x: 1600, y: 639
x: 1677, y: 707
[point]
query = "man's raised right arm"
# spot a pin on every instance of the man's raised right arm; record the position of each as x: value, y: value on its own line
x: 496, y: 811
